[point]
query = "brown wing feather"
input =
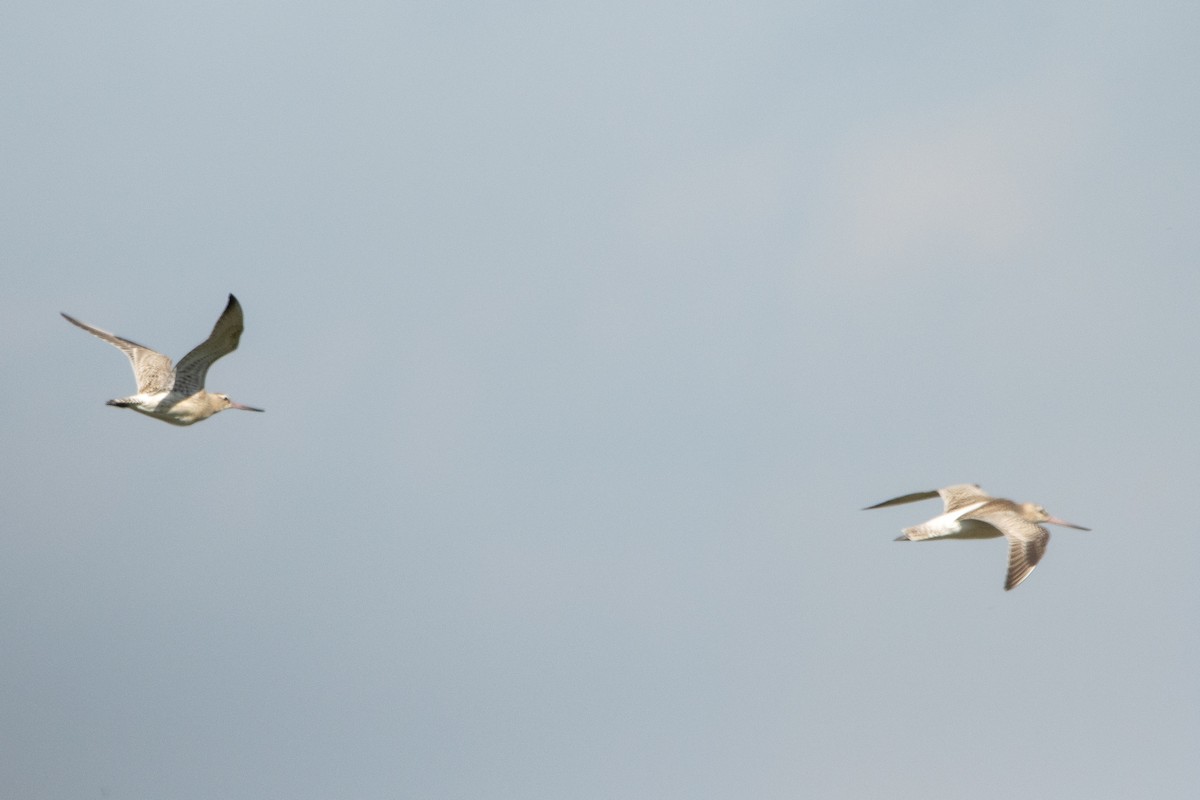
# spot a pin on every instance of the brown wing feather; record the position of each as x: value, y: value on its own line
x: 1023, y: 556
x: 908, y: 498
x: 1026, y: 540
x: 954, y: 497
x: 193, y: 368
x: 962, y: 494
x: 151, y: 369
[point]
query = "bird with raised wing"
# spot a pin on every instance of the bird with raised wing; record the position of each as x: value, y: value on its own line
x: 970, y: 513
x: 176, y: 394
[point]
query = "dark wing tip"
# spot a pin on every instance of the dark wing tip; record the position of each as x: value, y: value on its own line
x: 1016, y: 574
x: 907, y: 498
x: 231, y: 319
x: 1023, y: 556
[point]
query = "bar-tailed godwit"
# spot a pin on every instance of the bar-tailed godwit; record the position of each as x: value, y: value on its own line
x: 972, y: 514
x: 175, y: 394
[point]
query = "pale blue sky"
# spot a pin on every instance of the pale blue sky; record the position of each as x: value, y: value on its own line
x: 584, y: 332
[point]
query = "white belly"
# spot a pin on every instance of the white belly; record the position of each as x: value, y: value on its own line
x: 952, y: 526
x: 172, y: 408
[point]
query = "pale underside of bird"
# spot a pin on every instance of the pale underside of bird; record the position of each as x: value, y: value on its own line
x: 970, y: 513
x: 175, y: 393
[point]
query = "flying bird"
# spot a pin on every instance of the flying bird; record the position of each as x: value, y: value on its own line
x: 971, y: 513
x: 175, y: 394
